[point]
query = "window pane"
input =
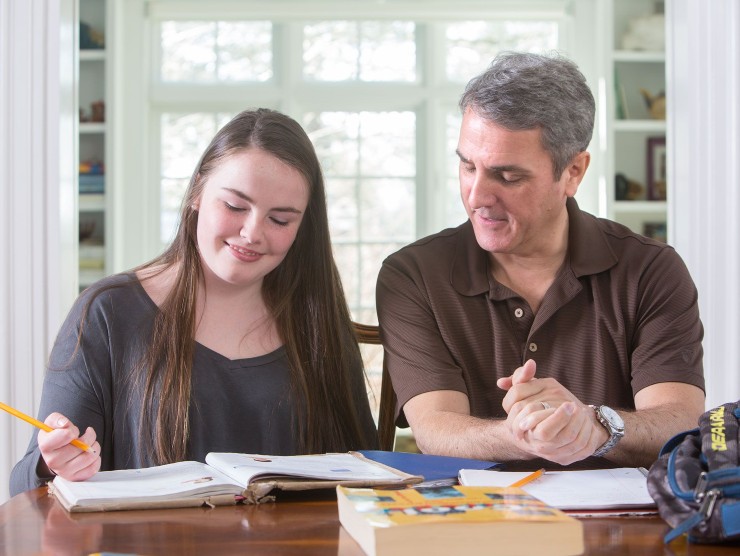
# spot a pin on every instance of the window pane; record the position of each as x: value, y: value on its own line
x: 347, y: 258
x: 334, y: 135
x: 244, y: 51
x: 210, y: 51
x: 388, y: 209
x: 366, y: 51
x: 188, y: 52
x: 330, y: 51
x: 388, y: 146
x: 369, y: 162
x: 454, y: 209
x: 387, y: 51
x: 183, y: 139
x: 341, y: 201
x: 471, y: 45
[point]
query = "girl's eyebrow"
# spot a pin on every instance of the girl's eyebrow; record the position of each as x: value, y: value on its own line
x: 248, y: 199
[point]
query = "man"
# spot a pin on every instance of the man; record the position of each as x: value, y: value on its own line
x: 536, y: 330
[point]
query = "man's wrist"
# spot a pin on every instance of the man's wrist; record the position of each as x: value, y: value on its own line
x: 614, y: 425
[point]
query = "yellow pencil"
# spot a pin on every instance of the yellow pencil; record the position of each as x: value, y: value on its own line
x: 43, y: 426
x: 528, y: 479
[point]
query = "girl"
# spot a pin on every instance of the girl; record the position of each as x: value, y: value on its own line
x: 237, y: 338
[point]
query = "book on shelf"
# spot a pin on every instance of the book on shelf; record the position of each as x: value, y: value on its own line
x: 624, y: 488
x: 456, y: 520
x: 226, y: 478
x: 92, y: 183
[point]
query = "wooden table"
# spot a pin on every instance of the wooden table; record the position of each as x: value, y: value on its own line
x: 35, y: 523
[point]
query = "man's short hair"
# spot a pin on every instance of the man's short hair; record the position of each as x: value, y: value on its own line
x: 528, y: 91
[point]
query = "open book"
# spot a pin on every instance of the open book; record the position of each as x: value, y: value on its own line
x: 597, y: 489
x: 225, y: 478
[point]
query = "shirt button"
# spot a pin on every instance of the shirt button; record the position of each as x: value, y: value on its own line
x: 532, y: 347
x: 518, y: 312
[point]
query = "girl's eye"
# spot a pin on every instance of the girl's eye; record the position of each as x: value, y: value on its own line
x: 232, y: 207
x: 279, y: 222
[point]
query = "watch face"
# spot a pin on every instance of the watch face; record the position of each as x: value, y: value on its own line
x: 612, y: 416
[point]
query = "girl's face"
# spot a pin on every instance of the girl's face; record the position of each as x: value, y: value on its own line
x: 248, y: 216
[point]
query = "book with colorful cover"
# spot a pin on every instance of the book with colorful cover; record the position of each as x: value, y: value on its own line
x: 445, y: 520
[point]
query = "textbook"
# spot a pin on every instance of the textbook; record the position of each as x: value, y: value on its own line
x: 225, y: 478
x: 596, y: 489
x: 445, y: 520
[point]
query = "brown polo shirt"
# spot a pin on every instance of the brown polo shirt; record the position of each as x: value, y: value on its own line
x: 621, y: 315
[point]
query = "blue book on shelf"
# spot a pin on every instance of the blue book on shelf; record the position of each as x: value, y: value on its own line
x: 434, y: 469
x: 92, y: 183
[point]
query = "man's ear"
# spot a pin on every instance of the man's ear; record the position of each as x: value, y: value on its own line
x: 575, y: 171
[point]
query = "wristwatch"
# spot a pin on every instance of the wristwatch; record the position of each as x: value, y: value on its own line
x: 614, y: 425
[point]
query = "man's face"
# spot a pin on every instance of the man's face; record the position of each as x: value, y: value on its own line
x: 508, y: 189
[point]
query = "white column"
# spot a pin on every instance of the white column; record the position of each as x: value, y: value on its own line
x: 703, y: 77
x: 37, y: 204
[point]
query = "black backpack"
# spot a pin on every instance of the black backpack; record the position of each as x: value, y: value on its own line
x: 696, y: 480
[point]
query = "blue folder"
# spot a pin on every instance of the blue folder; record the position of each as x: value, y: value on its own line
x: 432, y: 468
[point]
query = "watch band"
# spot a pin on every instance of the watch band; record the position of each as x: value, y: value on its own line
x: 615, y: 429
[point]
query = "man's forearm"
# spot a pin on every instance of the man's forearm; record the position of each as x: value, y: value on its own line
x: 646, y: 431
x: 454, y: 434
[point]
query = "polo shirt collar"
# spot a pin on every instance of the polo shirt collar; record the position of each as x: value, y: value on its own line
x: 588, y: 252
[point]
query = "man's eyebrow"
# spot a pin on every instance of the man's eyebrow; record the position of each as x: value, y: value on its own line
x: 248, y: 199
x: 496, y: 169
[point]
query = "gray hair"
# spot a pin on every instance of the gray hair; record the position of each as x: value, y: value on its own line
x: 527, y: 91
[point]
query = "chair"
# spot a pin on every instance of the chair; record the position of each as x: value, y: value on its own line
x: 369, y: 334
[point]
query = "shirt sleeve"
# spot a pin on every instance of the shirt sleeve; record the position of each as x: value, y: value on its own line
x: 667, y: 341
x: 73, y: 385
x: 419, y: 360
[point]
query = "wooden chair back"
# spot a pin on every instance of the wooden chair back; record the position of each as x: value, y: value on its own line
x: 370, y: 334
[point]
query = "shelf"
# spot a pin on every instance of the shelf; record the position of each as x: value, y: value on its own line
x: 657, y: 126
x: 643, y: 207
x: 91, y: 202
x: 638, y: 56
x: 92, y: 55
x: 90, y: 276
x: 92, y: 127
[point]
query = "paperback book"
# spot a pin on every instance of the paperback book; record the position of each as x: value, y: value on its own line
x: 444, y: 520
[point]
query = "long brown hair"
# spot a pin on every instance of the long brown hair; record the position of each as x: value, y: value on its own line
x: 304, y: 295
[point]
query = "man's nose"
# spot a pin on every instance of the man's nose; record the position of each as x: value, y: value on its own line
x: 482, y: 192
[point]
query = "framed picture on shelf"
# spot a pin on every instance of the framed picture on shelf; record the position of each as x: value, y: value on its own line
x: 655, y: 230
x: 656, y: 169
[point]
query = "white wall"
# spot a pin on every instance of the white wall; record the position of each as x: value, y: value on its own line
x: 37, y: 203
x: 703, y: 73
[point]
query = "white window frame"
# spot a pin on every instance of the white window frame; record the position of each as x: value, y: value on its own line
x: 136, y: 139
